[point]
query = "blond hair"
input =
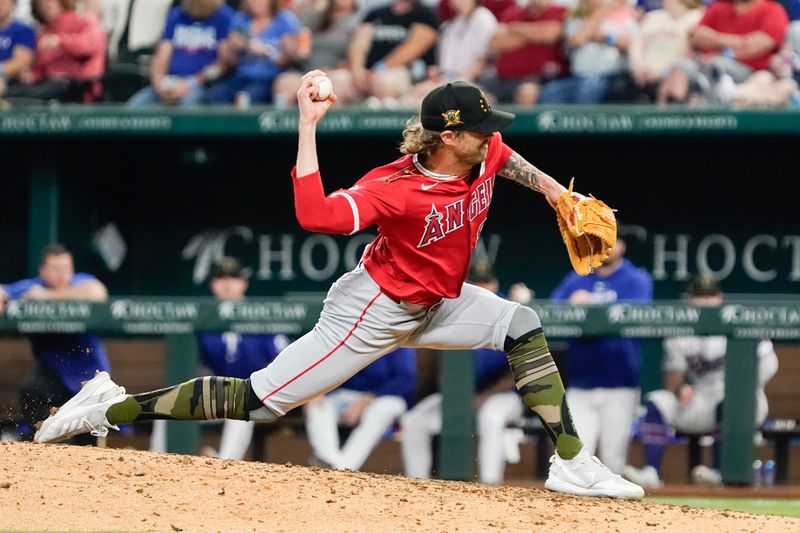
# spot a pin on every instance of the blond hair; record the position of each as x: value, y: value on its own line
x: 582, y: 9
x: 692, y: 4
x: 418, y: 140
x: 201, y: 9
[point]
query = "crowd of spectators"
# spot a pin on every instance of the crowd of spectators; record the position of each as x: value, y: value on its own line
x: 389, y: 53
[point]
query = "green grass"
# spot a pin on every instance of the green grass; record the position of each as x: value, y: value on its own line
x: 789, y: 508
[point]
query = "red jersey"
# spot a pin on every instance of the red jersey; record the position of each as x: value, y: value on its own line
x: 544, y: 60
x: 428, y: 223
x: 765, y: 16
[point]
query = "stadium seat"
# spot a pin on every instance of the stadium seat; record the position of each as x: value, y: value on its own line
x: 146, y: 23
x: 130, y: 49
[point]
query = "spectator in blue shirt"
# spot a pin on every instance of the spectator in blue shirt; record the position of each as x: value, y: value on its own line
x: 230, y: 354
x: 187, y: 57
x: 369, y: 402
x: 264, y: 40
x: 17, y: 43
x: 63, y: 360
x: 603, y: 390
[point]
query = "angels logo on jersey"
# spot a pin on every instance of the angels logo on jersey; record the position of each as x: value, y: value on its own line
x: 439, y: 224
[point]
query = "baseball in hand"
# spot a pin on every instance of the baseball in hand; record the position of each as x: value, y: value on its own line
x: 324, y: 87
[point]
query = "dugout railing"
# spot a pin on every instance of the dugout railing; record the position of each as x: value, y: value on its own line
x: 179, y: 319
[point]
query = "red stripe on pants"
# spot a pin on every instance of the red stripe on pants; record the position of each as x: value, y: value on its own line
x: 364, y: 312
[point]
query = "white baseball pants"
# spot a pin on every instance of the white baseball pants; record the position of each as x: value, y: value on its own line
x: 358, y: 324
x: 603, y: 418
x: 322, y: 425
x: 424, y: 421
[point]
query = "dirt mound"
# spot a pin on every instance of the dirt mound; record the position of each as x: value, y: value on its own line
x: 54, y: 487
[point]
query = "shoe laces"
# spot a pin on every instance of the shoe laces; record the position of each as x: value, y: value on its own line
x: 100, y: 431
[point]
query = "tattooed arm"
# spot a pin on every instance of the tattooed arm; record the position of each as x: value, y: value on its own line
x: 519, y: 170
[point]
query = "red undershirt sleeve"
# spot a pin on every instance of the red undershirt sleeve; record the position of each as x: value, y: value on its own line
x: 345, y: 211
x: 317, y: 212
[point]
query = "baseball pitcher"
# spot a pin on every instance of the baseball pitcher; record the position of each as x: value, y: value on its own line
x: 408, y: 290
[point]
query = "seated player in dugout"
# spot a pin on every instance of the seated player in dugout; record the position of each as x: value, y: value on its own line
x: 497, y: 403
x: 229, y: 354
x: 63, y: 361
x: 694, y: 389
x: 408, y: 290
x: 369, y: 403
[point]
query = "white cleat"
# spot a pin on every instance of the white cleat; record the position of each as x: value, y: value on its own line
x: 646, y: 476
x: 704, y: 475
x: 585, y: 475
x: 83, y: 413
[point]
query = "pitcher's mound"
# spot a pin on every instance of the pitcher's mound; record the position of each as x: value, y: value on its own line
x: 55, y: 487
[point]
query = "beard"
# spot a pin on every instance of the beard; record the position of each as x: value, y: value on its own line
x: 476, y: 156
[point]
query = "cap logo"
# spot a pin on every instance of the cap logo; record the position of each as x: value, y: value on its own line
x: 484, y: 105
x: 452, y: 117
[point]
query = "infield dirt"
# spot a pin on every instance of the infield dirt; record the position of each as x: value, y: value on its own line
x: 69, y: 488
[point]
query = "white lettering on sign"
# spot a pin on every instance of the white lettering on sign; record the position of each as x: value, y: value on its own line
x: 286, y: 257
x: 679, y: 255
x: 208, y: 249
x: 762, y: 258
x: 728, y: 255
x: 195, y: 37
x: 282, y: 256
x: 144, y: 310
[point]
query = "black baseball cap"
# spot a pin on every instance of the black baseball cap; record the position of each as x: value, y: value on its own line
x: 228, y: 267
x: 703, y: 285
x: 461, y: 106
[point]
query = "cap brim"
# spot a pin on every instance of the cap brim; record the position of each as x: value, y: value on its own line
x: 496, y: 121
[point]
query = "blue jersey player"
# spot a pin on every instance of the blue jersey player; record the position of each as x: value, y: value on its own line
x: 63, y: 360
x: 603, y: 388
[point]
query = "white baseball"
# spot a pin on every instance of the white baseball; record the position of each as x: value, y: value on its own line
x: 324, y: 87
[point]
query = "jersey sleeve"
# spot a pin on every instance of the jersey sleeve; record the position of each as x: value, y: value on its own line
x: 26, y: 37
x: 169, y: 27
x: 639, y: 288
x: 336, y: 213
x: 18, y: 288
x: 425, y: 15
x: 775, y: 22
x: 711, y: 17
x: 565, y: 289
x: 674, y: 356
x: 767, y: 362
x: 291, y: 22
x: 555, y: 13
x: 345, y: 211
x: 81, y: 277
x: 225, y: 24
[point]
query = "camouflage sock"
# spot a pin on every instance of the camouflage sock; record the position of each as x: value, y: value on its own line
x: 206, y: 398
x: 540, y: 385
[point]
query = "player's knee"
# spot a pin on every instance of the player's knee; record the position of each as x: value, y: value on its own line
x: 524, y: 320
x: 395, y: 405
x: 488, y: 420
x: 660, y: 401
x: 385, y: 408
x: 411, y: 422
x: 255, y: 408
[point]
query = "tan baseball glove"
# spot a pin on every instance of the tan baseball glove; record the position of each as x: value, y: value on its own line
x: 588, y: 227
